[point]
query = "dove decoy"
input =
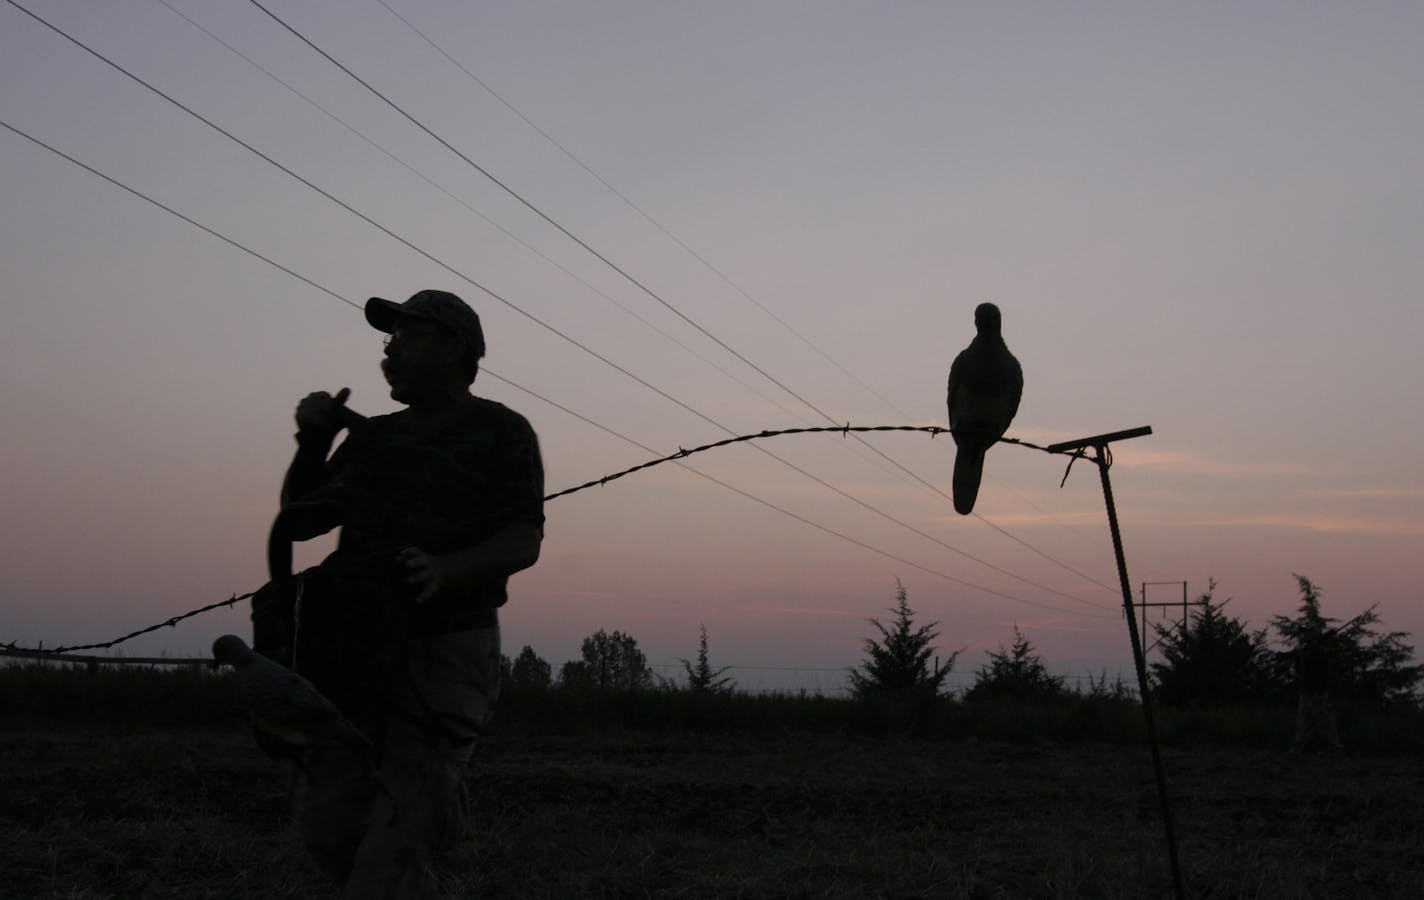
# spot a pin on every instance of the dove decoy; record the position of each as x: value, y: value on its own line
x: 985, y: 386
x: 285, y: 705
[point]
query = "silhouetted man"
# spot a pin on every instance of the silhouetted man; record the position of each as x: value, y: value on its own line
x: 438, y: 504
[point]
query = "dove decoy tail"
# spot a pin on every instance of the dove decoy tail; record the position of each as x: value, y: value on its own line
x: 985, y: 386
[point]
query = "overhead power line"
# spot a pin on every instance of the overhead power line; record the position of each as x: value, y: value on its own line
x: 536, y: 210
x: 726, y: 279
x: 459, y: 200
x: 511, y: 235
x: 547, y: 218
x: 289, y: 271
x: 634, y: 281
x: 571, y: 236
x: 530, y: 316
x: 367, y: 219
x: 171, y: 211
x: 1058, y: 562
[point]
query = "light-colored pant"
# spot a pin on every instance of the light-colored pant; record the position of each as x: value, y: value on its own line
x: 377, y: 832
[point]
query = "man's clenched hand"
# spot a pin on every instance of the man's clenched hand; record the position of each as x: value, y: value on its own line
x: 320, y: 413
x: 428, y: 574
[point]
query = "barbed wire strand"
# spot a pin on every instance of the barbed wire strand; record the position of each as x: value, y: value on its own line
x: 481, y: 287
x: 798, y: 469
x: 681, y: 454
x: 579, y: 416
x: 818, y: 526
x: 723, y: 276
x: 846, y: 429
x: 932, y: 430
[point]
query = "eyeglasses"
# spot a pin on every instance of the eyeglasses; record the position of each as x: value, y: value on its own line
x: 405, y: 335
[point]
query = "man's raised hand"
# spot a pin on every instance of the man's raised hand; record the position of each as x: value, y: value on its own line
x: 320, y: 412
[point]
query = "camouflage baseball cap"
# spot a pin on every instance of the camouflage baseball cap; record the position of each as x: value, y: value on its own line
x: 440, y: 307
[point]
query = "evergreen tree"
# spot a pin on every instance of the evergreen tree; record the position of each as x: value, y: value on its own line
x: 1015, y: 674
x: 899, y: 663
x: 1212, y: 661
x: 529, y: 670
x: 610, y: 662
x: 1360, y: 664
x: 701, y: 677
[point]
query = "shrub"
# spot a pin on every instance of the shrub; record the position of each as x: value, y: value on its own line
x: 899, y: 662
x: 1018, y: 674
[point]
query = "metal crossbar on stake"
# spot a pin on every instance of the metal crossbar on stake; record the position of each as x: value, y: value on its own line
x: 1102, y: 457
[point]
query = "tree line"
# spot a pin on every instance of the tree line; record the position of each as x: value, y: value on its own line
x: 611, y: 661
x: 1213, y: 659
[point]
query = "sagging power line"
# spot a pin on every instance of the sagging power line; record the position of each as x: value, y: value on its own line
x: 673, y: 457
x: 510, y: 304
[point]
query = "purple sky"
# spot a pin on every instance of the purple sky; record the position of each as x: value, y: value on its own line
x: 1205, y: 219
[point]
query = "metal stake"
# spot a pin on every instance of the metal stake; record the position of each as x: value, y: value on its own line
x: 1103, y: 458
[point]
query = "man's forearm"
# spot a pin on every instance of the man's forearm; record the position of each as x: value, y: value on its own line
x: 510, y: 550
x: 308, y: 469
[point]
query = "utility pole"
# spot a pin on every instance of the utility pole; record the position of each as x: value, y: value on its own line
x: 1144, y: 606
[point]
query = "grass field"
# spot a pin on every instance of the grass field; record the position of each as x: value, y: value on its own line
x: 96, y: 802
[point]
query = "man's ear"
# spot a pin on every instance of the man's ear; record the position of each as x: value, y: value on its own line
x: 456, y: 349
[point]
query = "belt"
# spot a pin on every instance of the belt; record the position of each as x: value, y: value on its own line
x: 460, y: 621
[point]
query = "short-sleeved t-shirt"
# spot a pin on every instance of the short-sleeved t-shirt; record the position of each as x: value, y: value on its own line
x: 441, y: 485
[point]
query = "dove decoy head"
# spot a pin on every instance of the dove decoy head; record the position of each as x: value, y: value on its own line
x: 987, y: 319
x: 232, y: 650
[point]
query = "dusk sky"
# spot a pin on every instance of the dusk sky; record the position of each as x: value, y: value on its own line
x: 1206, y: 218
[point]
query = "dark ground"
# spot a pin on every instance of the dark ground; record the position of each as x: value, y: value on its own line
x: 200, y: 813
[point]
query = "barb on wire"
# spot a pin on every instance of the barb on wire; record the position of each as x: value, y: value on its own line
x: 169, y: 623
x: 843, y: 430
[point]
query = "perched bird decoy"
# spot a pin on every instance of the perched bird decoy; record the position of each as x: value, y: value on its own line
x: 284, y: 705
x: 985, y: 386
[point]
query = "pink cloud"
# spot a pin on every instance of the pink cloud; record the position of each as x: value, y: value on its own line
x: 1387, y: 493
x: 800, y: 610
x: 1324, y: 522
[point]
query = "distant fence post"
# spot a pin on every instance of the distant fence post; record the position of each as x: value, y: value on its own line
x: 92, y: 663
